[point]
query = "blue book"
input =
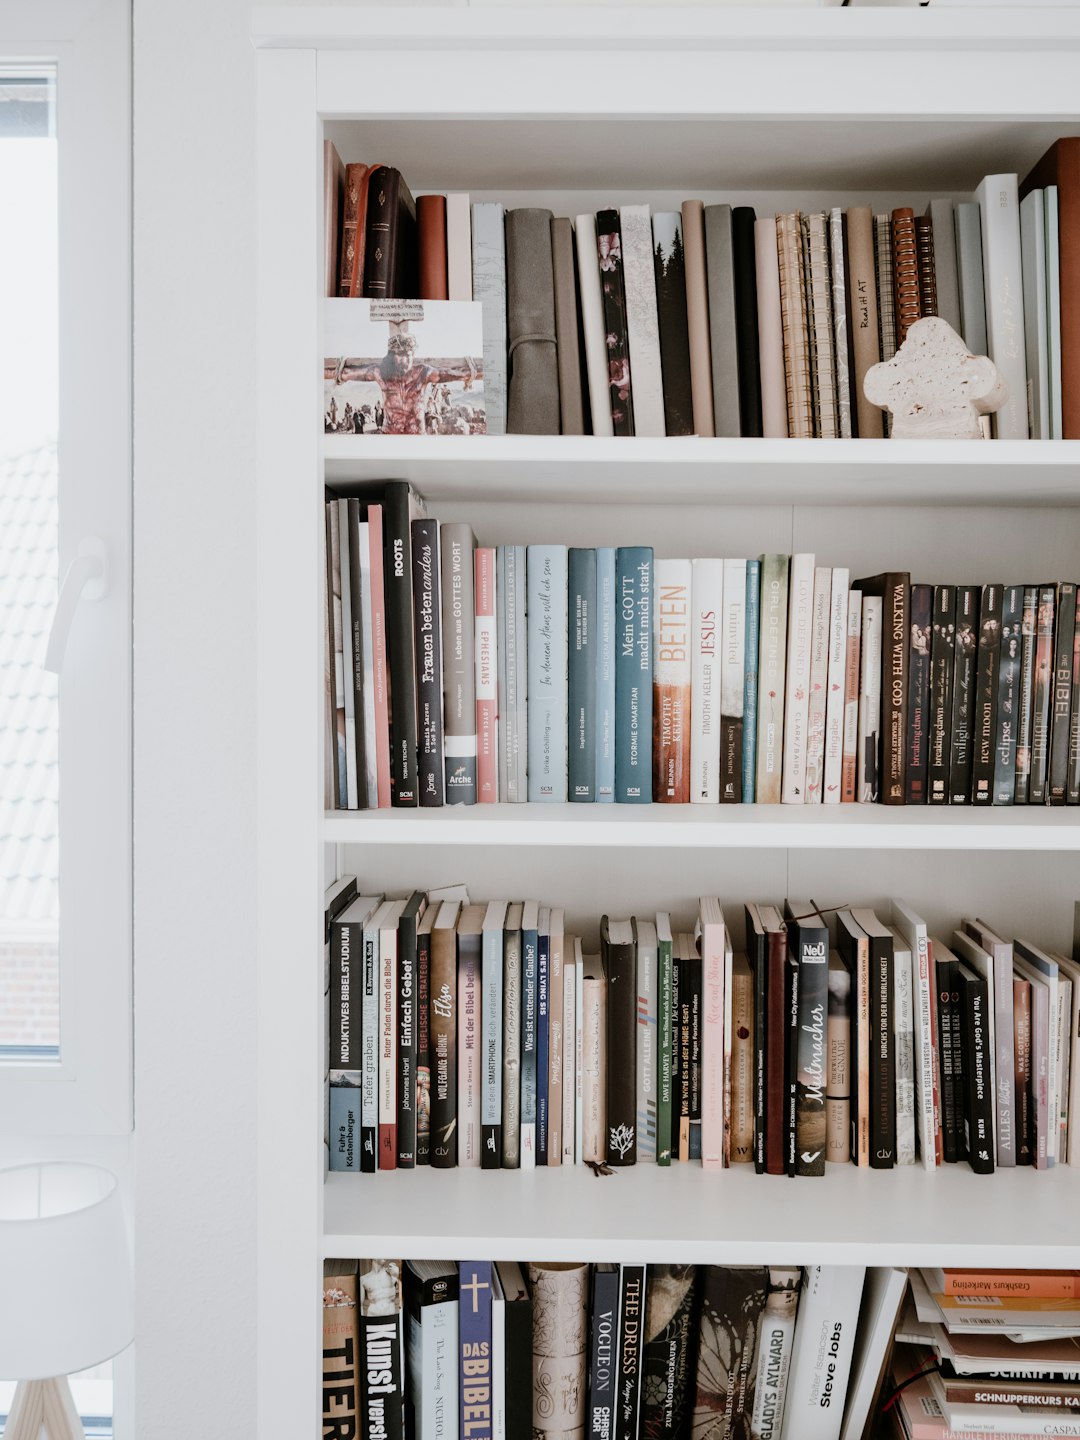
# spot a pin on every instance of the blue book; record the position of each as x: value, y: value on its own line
x: 529, y: 969
x: 753, y: 615
x: 633, y: 675
x: 581, y: 674
x: 344, y: 1120
x: 604, y: 652
x: 474, y: 1336
x: 543, y: 959
x: 546, y: 703
x: 491, y: 1035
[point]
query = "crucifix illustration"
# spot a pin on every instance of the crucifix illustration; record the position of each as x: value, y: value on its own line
x: 403, y: 380
x: 475, y: 1285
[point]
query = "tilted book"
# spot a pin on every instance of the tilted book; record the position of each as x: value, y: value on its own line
x: 547, y: 672
x: 913, y: 928
x: 824, y: 1343
x: 991, y: 959
x: 609, y: 252
x: 592, y: 322
x: 707, y: 600
x: 854, y: 949
x: 633, y: 674
x: 672, y: 617
x: 669, y: 259
x: 459, y: 676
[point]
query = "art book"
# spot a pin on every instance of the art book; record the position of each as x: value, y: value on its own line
x: 404, y: 367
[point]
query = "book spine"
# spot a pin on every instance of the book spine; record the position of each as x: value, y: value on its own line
x: 723, y: 323
x: 423, y: 1048
x: 443, y: 1025
x: 605, y: 650
x: 868, y: 788
x: 664, y: 1022
x: 707, y: 601
x: 834, y: 687
x: 592, y: 318
x: 560, y: 1295
x: 529, y: 978
x: 633, y: 675
x: 743, y: 221
x: 819, y: 679
x: 543, y: 1041
x: 791, y: 1062
x: 1003, y: 276
x: 800, y: 418
x: 609, y: 251
x: 852, y: 670
x: 487, y: 695
x: 680, y: 1061
x: 896, y: 625
x: 594, y: 1072
x: 797, y: 689
x: 489, y: 287
x: 965, y: 643
x: 491, y: 1056
x: 841, y: 325
x: 942, y: 659
x: 697, y: 316
x: 774, y: 1354
x: 504, y: 626
x: 860, y: 1133
x: 1061, y: 693
x: 475, y: 1339
x: 948, y: 1002
x: 759, y: 962
x: 1072, y: 795
x: 838, y: 1069
x: 1008, y: 700
x: 517, y: 674
x: 969, y: 272
x: 924, y: 255
x: 1040, y: 1074
x: 904, y: 1044
x: 770, y: 331
x: 579, y: 1057
x: 941, y: 216
x: 863, y: 304
x: 1003, y: 1067
x: 621, y: 1143
x: 733, y: 1304
x: 772, y: 662
x: 581, y: 618
x: 382, y: 1366
x: 352, y: 621
x: 351, y: 241
x: 346, y: 955
x: 642, y: 322
x: 918, y: 711
x: 397, y: 578
x: 340, y: 1353
x: 511, y: 1076
x: 741, y: 1027
x: 775, y: 1054
x: 569, y: 1070
x: 822, y: 1351
x: 750, y: 682
x: 1025, y: 1120
x: 986, y: 695
x: 603, y: 1316
x: 823, y: 321
x: 631, y: 1325
x: 428, y: 646
x: 567, y: 346
x: 694, y: 994
x: 431, y: 246
x: 979, y: 1098
x: 459, y: 673
x: 715, y: 1003
x: 379, y: 648
x: 468, y: 1054
x: 667, y: 1335
x: 669, y: 258
x: 647, y: 1026
x: 671, y: 681
x: 556, y: 1044
x: 813, y: 985
x: 886, y: 293
x: 732, y: 682
x: 388, y: 1039
x: 925, y: 1064
x: 369, y: 1054
x: 883, y: 1056
x: 1053, y: 307
x: 1036, y: 339
x: 1043, y: 691
x: 345, y: 1127
x: 547, y: 651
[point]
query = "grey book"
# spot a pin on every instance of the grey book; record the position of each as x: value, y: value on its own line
x: 571, y: 407
x: 969, y: 276
x: 458, y: 543
x: 940, y: 215
x: 720, y: 271
x: 511, y: 1057
x: 489, y: 287
x: 642, y: 321
x: 532, y: 404
x: 510, y: 582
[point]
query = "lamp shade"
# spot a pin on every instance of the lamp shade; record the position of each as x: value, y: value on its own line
x: 65, y: 1270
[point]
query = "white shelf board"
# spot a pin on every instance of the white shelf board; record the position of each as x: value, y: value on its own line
x: 759, y: 827
x: 591, y: 469
x: 895, y: 1217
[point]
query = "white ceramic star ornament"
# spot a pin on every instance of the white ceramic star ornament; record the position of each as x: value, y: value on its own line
x: 933, y: 387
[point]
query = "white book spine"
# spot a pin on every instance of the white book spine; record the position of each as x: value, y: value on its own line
x: 518, y: 630
x: 834, y: 704
x: 707, y: 600
x: 774, y: 419
x: 503, y: 624
x: 1065, y: 989
x: 489, y: 287
x: 592, y: 320
x: 370, y: 762
x: 870, y: 701
x: 642, y: 322
x: 797, y: 688
x: 821, y: 1356
x: 569, y: 1096
x: 774, y: 1358
x: 999, y: 205
x: 594, y: 1069
x: 348, y: 660
x: 903, y: 1025
x: 458, y: 248
x: 1053, y: 307
x: 1010, y: 1422
x: 819, y: 683
x: 1036, y: 345
x: 498, y: 1364
x: 840, y: 318
x: 437, y: 1392
x: 914, y: 931
x: 646, y: 1049
x: 732, y: 677
x: 579, y: 1057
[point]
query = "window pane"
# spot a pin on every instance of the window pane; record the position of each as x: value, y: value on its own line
x: 29, y: 778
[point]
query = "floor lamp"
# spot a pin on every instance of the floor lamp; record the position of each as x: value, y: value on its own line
x: 66, y: 1288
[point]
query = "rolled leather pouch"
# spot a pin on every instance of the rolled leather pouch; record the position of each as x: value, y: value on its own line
x: 533, y: 398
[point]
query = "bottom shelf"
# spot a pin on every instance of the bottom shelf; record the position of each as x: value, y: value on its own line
x: 905, y: 1216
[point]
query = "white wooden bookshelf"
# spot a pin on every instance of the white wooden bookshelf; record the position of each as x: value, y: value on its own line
x: 571, y: 108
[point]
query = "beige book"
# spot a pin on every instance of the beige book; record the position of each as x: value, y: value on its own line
x: 742, y: 1062
x: 774, y: 416
x: 572, y: 954
x: 800, y: 407
x: 458, y: 247
x: 340, y: 1340
x: 862, y: 300
x: 560, y: 1299
x: 593, y: 1061
x: 824, y: 376
x: 697, y: 315
x: 556, y: 1038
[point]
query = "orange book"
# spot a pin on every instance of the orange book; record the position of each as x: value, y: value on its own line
x: 1006, y: 1284
x: 671, y: 681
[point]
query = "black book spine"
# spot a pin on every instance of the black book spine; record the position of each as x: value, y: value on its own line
x: 882, y: 1055
x: 397, y: 588
x: 978, y: 1091
x: 761, y: 980
x: 346, y: 981
x: 680, y: 1062
x: 669, y: 1322
x: 1072, y: 796
x: 918, y: 709
x: 631, y: 1328
x: 965, y: 646
x: 941, y: 677
x: 356, y: 679
x: 382, y: 1376
x: 1008, y: 697
x: 811, y: 944
x: 609, y: 244
x: 407, y: 1049
x: 427, y: 622
x: 669, y: 259
x: 519, y: 1343
x: 603, y: 1355
x: 948, y: 1013
x: 791, y: 1059
x: 1026, y: 698
x: 1061, y: 705
x: 581, y: 685
x: 895, y: 627
x: 693, y: 970
x: 746, y: 318
x: 1044, y: 687
x: 620, y: 970
x: 423, y: 1048
x: 986, y: 695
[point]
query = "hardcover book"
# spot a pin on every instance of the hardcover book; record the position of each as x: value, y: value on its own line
x: 352, y: 206
x: 863, y: 302
x: 388, y: 1035
x: 739, y: 1133
x: 882, y: 1040
x: 774, y: 1353
x: 571, y: 406
x: 489, y: 288
x: 427, y: 620
x: 1061, y: 693
x: 487, y: 693
x: 852, y: 678
x: 431, y: 246
x: 633, y: 674
x: 707, y: 604
x: 547, y: 697
x: 697, y: 316
x: 723, y: 325
x: 838, y: 1063
x: 969, y: 274
x: 669, y: 258
x: 470, y: 1038
x: 543, y: 1030
x: 458, y: 545
x: 774, y: 424
x: 609, y: 251
x: 903, y: 1019
x: 594, y: 1062
x: 894, y: 590
x: 532, y: 396
x: 800, y: 414
x: 390, y: 259
x: 733, y: 1300
x: 927, y: 1114
x: 431, y: 1303
x: 475, y: 1348
x: 732, y: 682
x: 992, y: 958
x: 743, y: 222
x: 617, y: 954
x: 382, y: 1358
x: 642, y: 324
x: 821, y: 1357
x: 556, y: 1033
x: 978, y: 1085
x: 671, y: 744
x: 519, y: 1341
x: 835, y: 686
x: 986, y: 696
x: 854, y: 949
x: 1043, y: 682
x: 868, y: 784
x: 560, y: 1302
x: 808, y: 946
x: 772, y: 663
x: 667, y: 1350
x: 340, y: 1347
x: 582, y: 676
x: 443, y: 1029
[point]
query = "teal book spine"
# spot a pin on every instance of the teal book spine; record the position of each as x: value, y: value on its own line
x: 345, y: 1122
x: 749, y: 762
x: 581, y: 676
x: 546, y: 579
x: 604, y: 652
x: 633, y: 675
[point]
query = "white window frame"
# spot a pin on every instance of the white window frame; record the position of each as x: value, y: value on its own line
x: 89, y: 1090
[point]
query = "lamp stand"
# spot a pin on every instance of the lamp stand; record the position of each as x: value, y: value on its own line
x: 43, y: 1404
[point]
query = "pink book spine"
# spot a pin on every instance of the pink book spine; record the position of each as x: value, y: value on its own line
x: 487, y: 748
x: 378, y: 633
x: 712, y: 1046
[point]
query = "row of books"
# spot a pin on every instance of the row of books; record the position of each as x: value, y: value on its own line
x: 483, y: 1035
x: 714, y: 321
x: 987, y: 1353
x: 505, y: 1351
x: 462, y: 674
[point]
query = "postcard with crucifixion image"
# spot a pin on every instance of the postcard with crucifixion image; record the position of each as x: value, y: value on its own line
x: 404, y: 367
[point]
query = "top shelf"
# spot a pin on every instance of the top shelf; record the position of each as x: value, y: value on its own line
x: 693, y: 471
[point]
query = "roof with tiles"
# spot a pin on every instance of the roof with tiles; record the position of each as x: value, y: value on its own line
x: 29, y: 772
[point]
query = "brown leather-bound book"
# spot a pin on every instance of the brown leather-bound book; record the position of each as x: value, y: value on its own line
x: 563, y: 270
x: 924, y: 254
x: 390, y: 271
x: 351, y: 256
x: 1060, y: 166
x: 863, y: 306
x: 800, y: 402
x: 905, y: 272
x: 431, y: 243
x: 697, y: 315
